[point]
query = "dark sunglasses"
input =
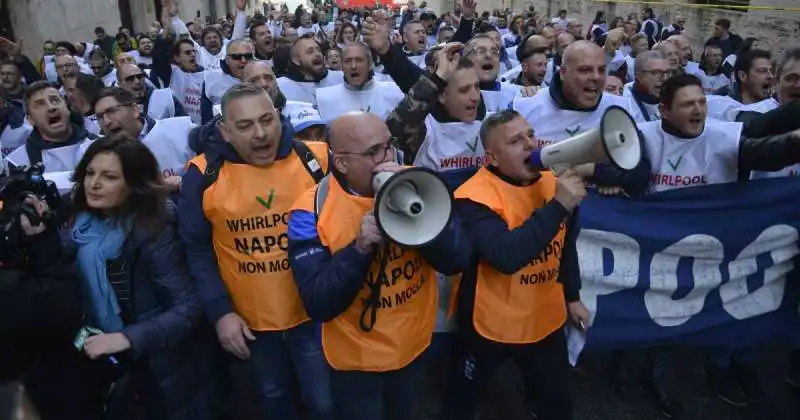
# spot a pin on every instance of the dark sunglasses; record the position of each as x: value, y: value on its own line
x: 133, y: 77
x: 240, y: 57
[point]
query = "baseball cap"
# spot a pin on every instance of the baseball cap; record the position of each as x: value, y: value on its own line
x: 302, y: 115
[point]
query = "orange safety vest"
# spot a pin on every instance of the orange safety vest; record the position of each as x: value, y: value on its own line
x: 528, y: 305
x: 408, y: 304
x: 248, y: 207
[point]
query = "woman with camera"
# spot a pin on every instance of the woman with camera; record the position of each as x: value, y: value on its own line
x: 155, y: 346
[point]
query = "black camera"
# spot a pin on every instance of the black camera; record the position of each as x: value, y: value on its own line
x: 16, y: 188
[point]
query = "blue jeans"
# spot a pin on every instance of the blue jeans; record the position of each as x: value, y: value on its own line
x: 272, y: 355
x: 376, y: 395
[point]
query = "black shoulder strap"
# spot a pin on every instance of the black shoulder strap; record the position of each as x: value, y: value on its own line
x: 320, y: 195
x: 214, y: 163
x: 34, y: 154
x: 310, y: 161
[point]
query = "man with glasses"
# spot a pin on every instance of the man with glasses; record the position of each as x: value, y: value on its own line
x: 651, y: 72
x: 101, y: 67
x: 119, y: 115
x: 155, y: 103
x: 377, y: 302
x: 238, y: 54
x: 234, y: 206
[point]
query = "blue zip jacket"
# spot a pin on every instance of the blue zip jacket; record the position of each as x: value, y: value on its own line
x: 329, y: 282
x: 195, y: 230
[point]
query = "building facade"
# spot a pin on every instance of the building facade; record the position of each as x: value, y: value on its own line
x: 36, y: 21
x: 776, y: 23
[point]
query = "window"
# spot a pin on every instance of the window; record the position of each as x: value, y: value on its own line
x: 735, y: 5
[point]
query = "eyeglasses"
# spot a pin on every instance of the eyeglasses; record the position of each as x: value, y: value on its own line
x: 111, y: 110
x: 491, y: 52
x: 133, y: 77
x: 240, y: 57
x: 659, y: 74
x: 378, y: 152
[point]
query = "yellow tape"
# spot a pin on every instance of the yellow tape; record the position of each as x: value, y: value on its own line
x: 705, y: 6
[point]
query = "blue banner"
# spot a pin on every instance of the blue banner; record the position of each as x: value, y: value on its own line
x: 703, y: 265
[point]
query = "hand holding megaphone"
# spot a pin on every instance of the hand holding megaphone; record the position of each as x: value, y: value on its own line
x: 369, y: 236
x: 570, y: 189
x: 616, y: 141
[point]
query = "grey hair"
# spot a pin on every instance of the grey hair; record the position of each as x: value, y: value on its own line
x: 790, y: 54
x: 364, y: 47
x: 238, y: 42
x: 493, y: 121
x: 645, y: 56
x: 240, y: 91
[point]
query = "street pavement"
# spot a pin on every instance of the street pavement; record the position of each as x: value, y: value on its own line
x: 594, y: 398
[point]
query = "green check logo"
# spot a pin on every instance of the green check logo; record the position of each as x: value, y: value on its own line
x: 573, y: 132
x: 369, y: 107
x: 473, y: 145
x: 267, y: 202
x: 674, y: 165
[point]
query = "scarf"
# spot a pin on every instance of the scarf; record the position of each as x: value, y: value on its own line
x: 99, y: 240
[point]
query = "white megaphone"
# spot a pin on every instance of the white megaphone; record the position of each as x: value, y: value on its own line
x: 411, y: 206
x: 616, y: 141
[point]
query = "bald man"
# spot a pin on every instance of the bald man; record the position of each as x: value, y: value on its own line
x: 573, y: 103
x: 260, y: 73
x: 684, y: 48
x: 377, y: 302
x: 234, y: 206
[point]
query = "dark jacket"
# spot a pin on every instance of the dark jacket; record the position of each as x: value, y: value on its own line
x: 329, y: 283
x: 39, y: 303
x: 508, y: 251
x: 407, y: 122
x: 40, y: 314
x: 172, y: 344
x: 729, y: 46
x: 195, y: 229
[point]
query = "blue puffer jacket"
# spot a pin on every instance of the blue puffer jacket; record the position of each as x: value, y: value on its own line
x: 171, y: 338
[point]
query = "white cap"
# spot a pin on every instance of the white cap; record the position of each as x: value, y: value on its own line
x: 302, y: 115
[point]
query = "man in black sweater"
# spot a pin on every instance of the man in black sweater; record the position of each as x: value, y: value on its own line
x: 523, y: 280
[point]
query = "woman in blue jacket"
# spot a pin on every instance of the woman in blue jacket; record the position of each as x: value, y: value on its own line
x: 156, y: 346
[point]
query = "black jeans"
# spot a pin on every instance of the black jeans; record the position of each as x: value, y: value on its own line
x: 544, y: 366
x: 376, y: 395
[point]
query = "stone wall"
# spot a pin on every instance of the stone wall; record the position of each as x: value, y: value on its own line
x: 38, y: 20
x: 74, y: 20
x: 774, y: 28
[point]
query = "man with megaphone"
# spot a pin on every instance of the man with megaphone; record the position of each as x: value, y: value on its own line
x: 523, y: 282
x: 364, y: 247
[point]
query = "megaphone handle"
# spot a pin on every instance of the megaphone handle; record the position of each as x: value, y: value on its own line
x: 559, y: 169
x: 370, y: 313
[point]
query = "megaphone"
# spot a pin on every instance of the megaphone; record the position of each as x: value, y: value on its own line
x: 616, y: 141
x: 411, y: 206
